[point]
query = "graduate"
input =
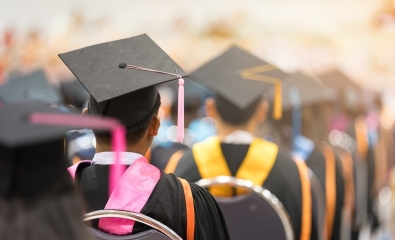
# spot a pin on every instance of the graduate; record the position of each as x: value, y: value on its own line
x: 239, y: 108
x: 307, y: 107
x: 121, y: 77
x: 349, y: 119
x: 37, y: 196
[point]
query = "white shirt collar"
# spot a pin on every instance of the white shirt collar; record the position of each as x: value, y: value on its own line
x: 239, y: 137
x: 107, y: 158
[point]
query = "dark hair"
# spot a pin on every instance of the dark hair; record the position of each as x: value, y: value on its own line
x: 135, y: 132
x: 56, y: 214
x: 232, y: 114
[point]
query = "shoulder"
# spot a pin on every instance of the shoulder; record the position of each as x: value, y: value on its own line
x: 284, y: 171
x: 187, y: 168
x: 284, y: 159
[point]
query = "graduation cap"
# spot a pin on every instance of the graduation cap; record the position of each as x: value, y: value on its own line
x: 32, y: 146
x: 121, y: 77
x: 241, y: 78
x: 303, y: 90
x: 33, y: 86
x: 300, y: 90
x: 338, y: 80
x: 32, y: 156
x: 74, y: 93
x: 351, y: 93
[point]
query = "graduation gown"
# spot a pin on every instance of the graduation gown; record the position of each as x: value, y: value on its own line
x: 316, y: 162
x: 160, y: 155
x: 165, y: 204
x: 283, y: 180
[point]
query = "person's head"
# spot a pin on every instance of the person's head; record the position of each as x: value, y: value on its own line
x: 141, y: 124
x: 37, y: 196
x: 54, y: 214
x: 316, y: 121
x: 230, y: 116
x: 121, y: 77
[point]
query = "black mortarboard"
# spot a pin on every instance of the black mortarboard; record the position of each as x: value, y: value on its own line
x: 117, y: 90
x: 303, y: 90
x: 338, y: 80
x: 241, y: 78
x: 32, y: 156
x: 351, y: 93
x: 33, y: 86
x: 74, y: 93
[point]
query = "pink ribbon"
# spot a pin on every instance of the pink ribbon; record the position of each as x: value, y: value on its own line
x: 131, y: 194
x: 118, y: 135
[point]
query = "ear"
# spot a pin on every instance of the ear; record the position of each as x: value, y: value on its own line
x: 85, y: 112
x: 211, y: 108
x: 261, y: 111
x: 154, y: 126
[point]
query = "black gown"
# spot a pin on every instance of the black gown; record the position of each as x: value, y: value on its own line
x: 166, y: 204
x: 316, y: 162
x: 283, y: 180
x: 160, y: 156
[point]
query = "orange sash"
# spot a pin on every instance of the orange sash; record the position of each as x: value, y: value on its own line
x: 305, y: 232
x: 190, y: 208
x: 361, y: 133
x: 173, y: 161
x: 330, y: 187
x: 348, y: 174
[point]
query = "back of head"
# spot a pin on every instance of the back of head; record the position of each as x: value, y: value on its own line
x: 54, y: 214
x: 234, y: 115
x: 135, y: 110
x: 316, y: 122
x: 37, y: 197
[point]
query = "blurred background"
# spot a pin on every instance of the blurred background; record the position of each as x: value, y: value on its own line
x: 354, y: 37
x: 351, y: 35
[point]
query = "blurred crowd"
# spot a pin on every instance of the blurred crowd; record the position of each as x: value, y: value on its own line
x: 322, y: 102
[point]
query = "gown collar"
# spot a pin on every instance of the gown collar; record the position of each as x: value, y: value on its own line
x: 107, y: 158
x: 239, y: 137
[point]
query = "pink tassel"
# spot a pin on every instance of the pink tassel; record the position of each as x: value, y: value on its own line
x: 118, y: 146
x: 180, y: 120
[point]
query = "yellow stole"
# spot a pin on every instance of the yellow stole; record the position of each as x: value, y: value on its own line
x: 256, y: 166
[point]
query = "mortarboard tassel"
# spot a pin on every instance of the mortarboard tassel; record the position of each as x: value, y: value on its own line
x: 277, y: 102
x: 253, y: 74
x: 180, y: 117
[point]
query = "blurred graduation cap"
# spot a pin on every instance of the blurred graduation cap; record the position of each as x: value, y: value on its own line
x: 304, y: 90
x: 241, y: 78
x: 32, y: 147
x: 33, y: 86
x: 350, y: 93
x: 32, y: 156
x: 121, y: 76
x: 74, y: 93
x: 337, y: 79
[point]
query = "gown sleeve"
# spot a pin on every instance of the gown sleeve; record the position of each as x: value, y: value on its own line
x: 209, y: 221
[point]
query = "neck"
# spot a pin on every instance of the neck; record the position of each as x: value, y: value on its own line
x: 225, y: 129
x: 138, y: 148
